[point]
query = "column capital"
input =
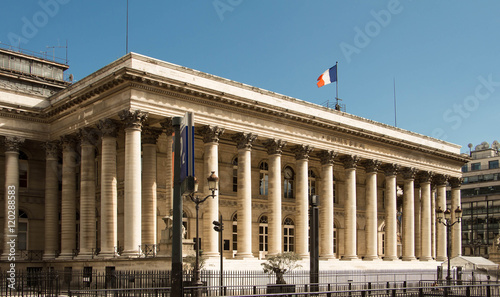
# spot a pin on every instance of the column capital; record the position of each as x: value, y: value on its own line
x: 349, y: 161
x: 425, y: 176
x: 409, y: 172
x: 166, y: 124
x: 302, y: 151
x: 150, y: 135
x: 211, y: 133
x: 69, y: 142
x: 51, y: 149
x: 108, y: 127
x: 12, y: 143
x: 274, y: 146
x: 88, y: 136
x: 390, y: 169
x: 133, y: 118
x: 244, y: 140
x: 327, y: 157
x: 371, y: 165
x: 455, y: 182
x: 440, y: 179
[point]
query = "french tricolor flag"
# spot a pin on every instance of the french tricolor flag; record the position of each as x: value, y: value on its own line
x: 327, y: 77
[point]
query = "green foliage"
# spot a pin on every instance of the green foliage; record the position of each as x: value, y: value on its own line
x: 281, y: 264
x: 189, y: 262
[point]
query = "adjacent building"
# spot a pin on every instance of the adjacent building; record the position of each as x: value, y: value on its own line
x: 88, y: 168
x: 481, y: 200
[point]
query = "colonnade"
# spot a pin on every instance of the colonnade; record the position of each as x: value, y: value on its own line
x: 140, y: 196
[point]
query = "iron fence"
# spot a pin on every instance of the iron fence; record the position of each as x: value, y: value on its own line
x: 236, y: 283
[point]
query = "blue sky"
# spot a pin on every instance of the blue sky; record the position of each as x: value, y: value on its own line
x: 443, y: 55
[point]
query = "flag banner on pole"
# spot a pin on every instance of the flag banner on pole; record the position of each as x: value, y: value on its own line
x: 327, y: 77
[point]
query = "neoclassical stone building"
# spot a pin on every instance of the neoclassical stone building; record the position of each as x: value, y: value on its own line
x: 91, y: 163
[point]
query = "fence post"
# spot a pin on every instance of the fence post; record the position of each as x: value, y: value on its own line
x: 467, y: 291
x: 488, y: 291
x: 420, y: 292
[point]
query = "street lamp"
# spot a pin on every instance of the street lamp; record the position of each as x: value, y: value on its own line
x: 446, y: 220
x: 212, y: 186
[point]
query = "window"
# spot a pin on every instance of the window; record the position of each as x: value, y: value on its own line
x: 475, y: 166
x: 263, y: 178
x: 312, y: 182
x: 465, y: 168
x: 23, y: 170
x: 335, y: 241
x: 235, y: 174
x: 263, y: 231
x: 235, y: 232
x: 22, y: 231
x: 288, y: 183
x: 288, y: 235
x: 493, y: 164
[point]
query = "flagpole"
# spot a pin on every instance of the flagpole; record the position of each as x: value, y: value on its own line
x: 337, y: 81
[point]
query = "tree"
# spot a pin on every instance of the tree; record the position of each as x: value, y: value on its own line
x: 281, y: 264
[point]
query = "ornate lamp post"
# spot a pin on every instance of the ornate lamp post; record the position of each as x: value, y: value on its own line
x: 314, y: 242
x: 212, y: 186
x: 446, y: 220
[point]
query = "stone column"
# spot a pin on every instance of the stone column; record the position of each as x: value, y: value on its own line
x: 211, y: 135
x: 417, y: 220
x: 51, y: 201
x: 350, y: 235
x: 425, y: 195
x: 109, y: 192
x: 440, y: 228
x: 326, y: 211
x: 433, y: 220
x: 456, y: 232
x: 11, y: 206
x: 391, y: 224
x: 88, y: 138
x: 168, y: 173
x: 274, y: 149
x: 244, y: 143
x: 371, y: 167
x: 133, y: 120
x: 68, y: 203
x: 409, y: 214
x: 302, y: 200
x: 148, y: 228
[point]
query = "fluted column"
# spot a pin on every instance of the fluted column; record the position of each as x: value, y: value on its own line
x: 371, y: 167
x: 350, y: 236
x: 326, y: 211
x: 109, y: 192
x: 68, y: 203
x: 166, y: 124
x: 133, y: 120
x: 391, y: 225
x: 302, y: 200
x: 440, y: 228
x: 148, y: 228
x: 88, y: 137
x: 274, y: 149
x: 11, y: 190
x: 433, y: 220
x: 211, y: 135
x: 418, y: 220
x: 409, y: 214
x: 456, y: 231
x: 244, y: 143
x: 51, y: 201
x: 425, y: 195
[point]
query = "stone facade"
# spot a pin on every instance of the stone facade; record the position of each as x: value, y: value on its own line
x: 100, y: 152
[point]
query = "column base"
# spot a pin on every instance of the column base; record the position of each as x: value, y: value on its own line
x: 65, y: 256
x: 349, y: 258
x: 371, y: 258
x: 392, y: 258
x: 211, y: 255
x: 426, y: 259
x: 441, y: 259
x: 49, y: 256
x: 409, y: 258
x: 244, y: 256
x: 107, y: 255
x: 84, y: 256
x: 130, y: 254
x: 327, y: 257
